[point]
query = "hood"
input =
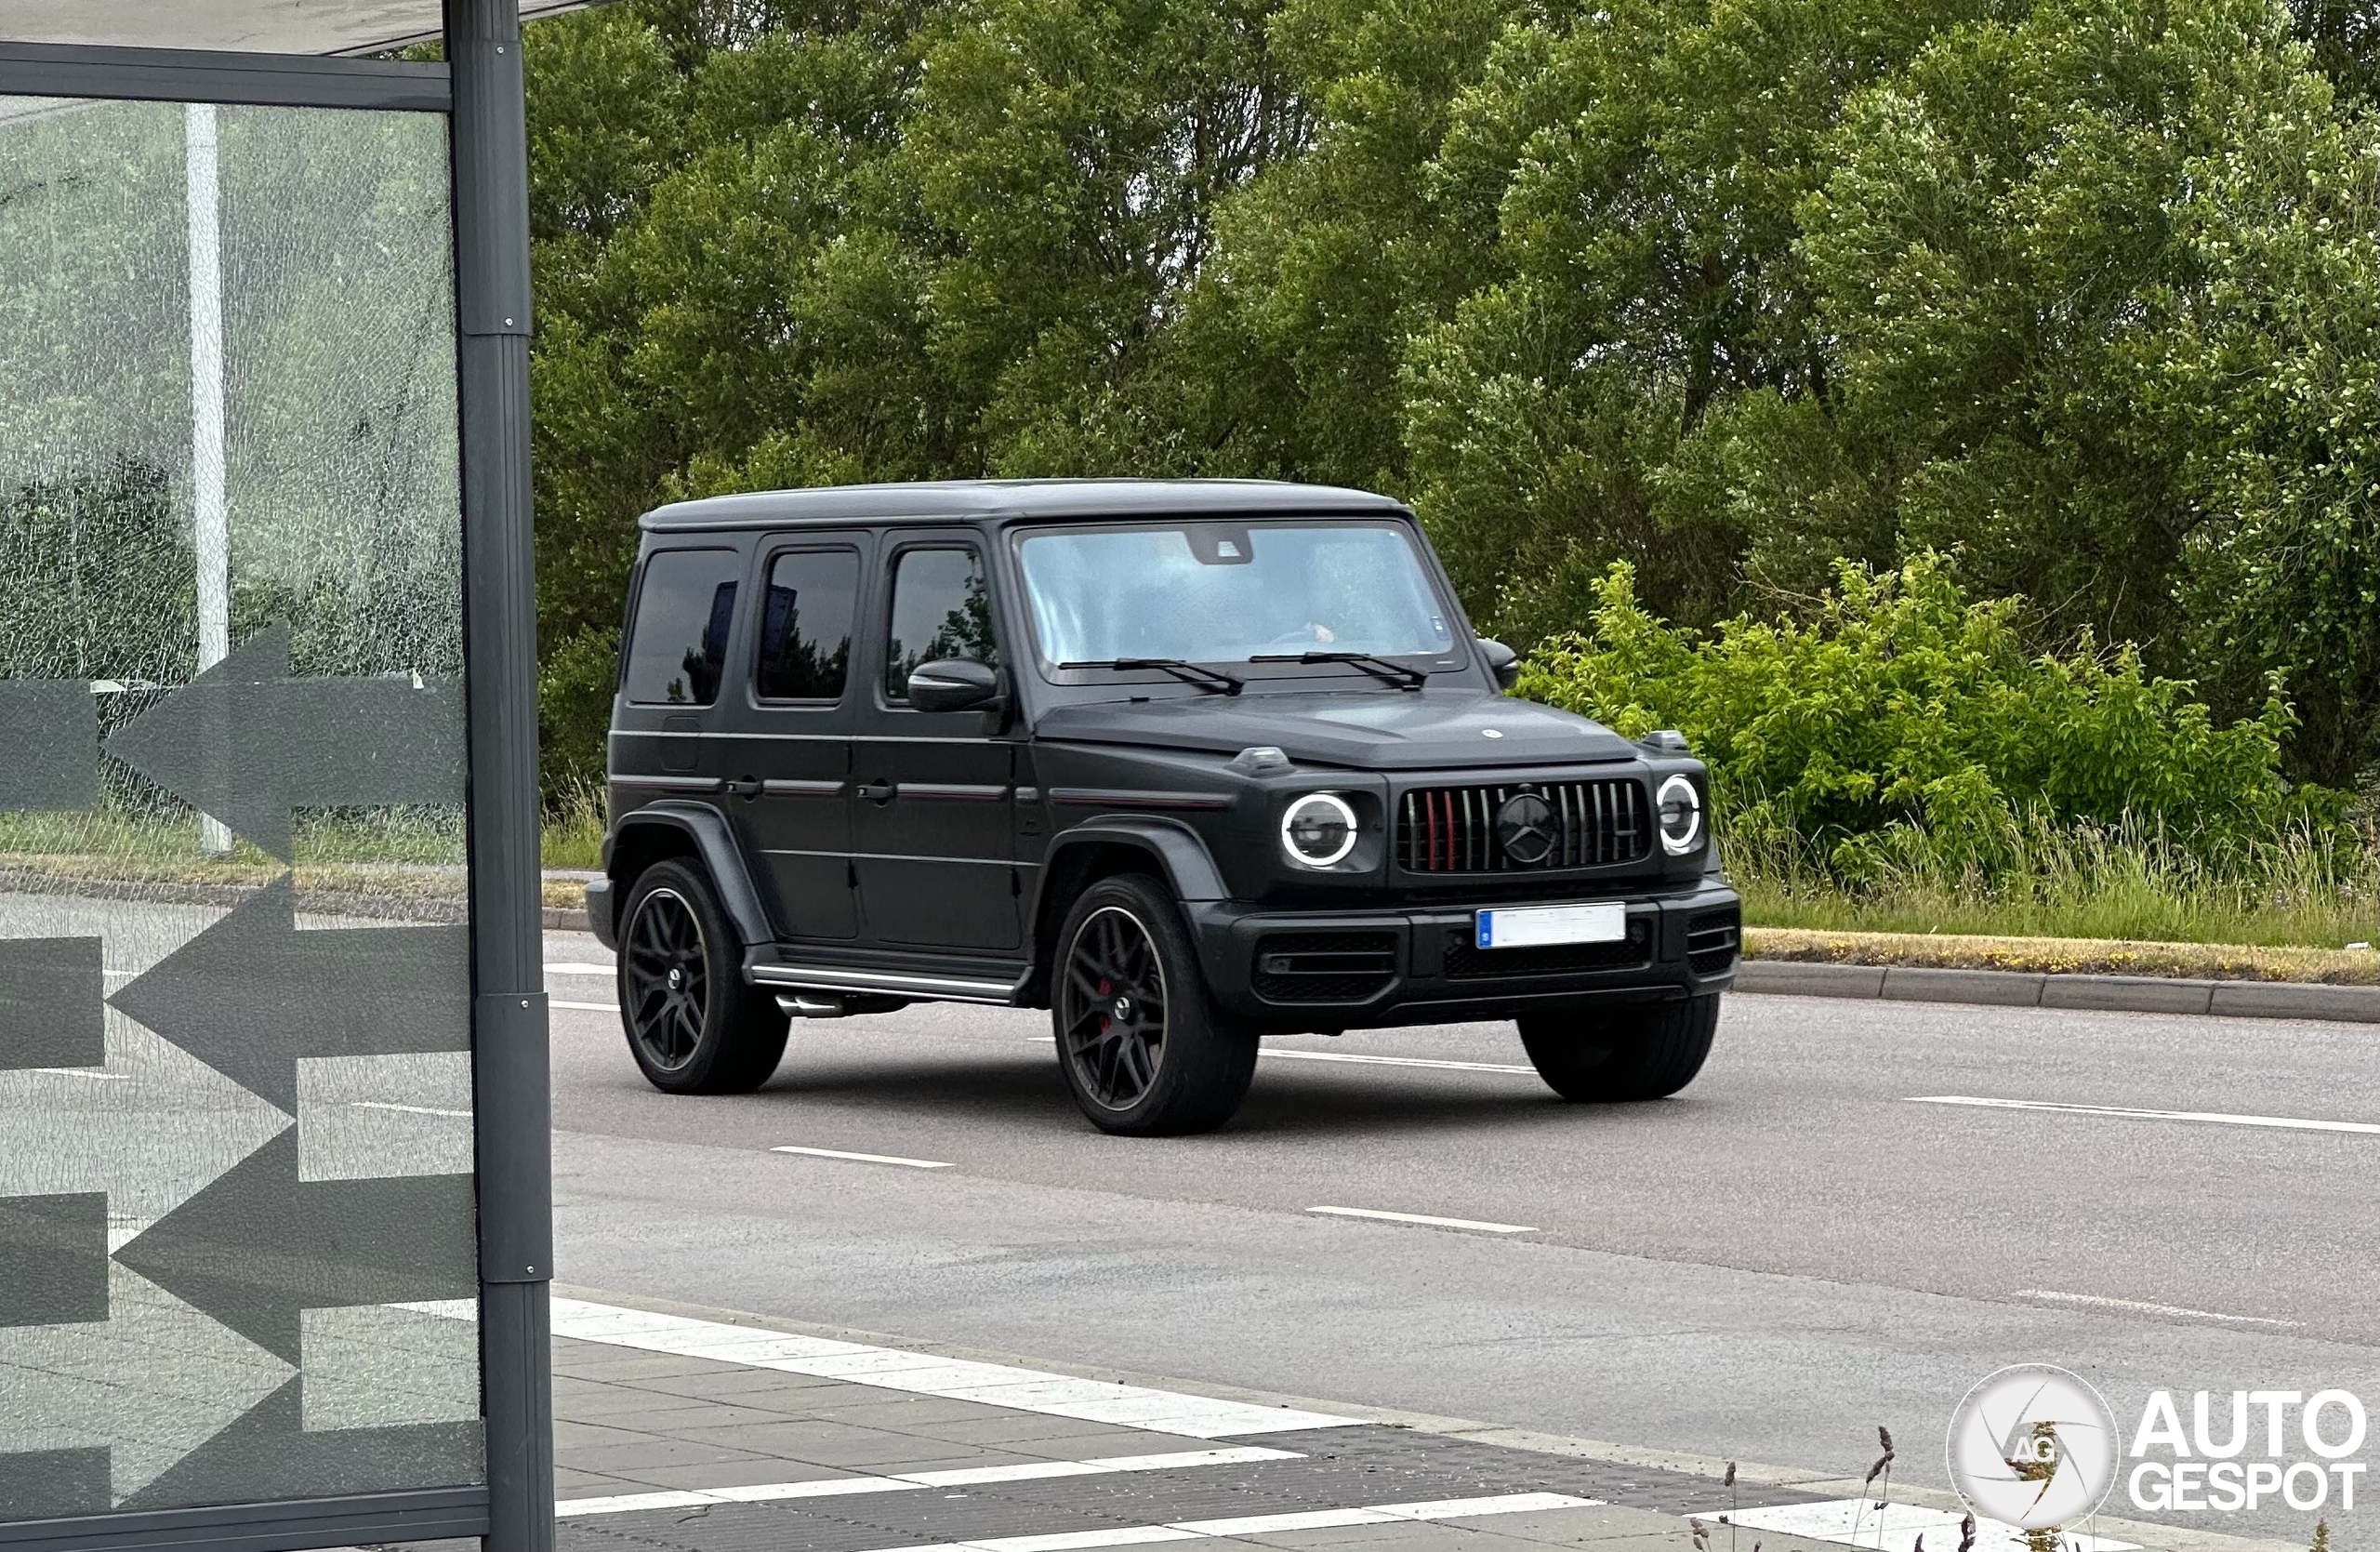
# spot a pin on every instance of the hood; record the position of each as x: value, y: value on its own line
x: 1377, y: 730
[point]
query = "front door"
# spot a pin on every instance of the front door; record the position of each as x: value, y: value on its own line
x: 788, y: 760
x: 931, y: 828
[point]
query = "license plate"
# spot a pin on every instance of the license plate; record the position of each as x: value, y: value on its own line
x: 1531, y: 926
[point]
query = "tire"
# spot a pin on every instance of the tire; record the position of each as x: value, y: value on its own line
x: 1183, y: 1068
x: 1640, y: 1051
x: 691, y: 1023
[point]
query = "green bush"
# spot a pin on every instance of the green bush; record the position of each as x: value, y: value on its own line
x: 1898, y: 722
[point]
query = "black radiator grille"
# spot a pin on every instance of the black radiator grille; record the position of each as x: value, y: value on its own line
x: 1712, y: 939
x: 1324, y: 967
x: 1452, y: 829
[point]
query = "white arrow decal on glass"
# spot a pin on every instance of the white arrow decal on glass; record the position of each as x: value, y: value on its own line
x: 151, y: 1383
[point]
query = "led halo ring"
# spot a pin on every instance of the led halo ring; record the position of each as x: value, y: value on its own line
x: 1347, y: 815
x: 1675, y: 844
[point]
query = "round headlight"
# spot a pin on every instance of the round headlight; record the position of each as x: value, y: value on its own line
x: 1680, y: 813
x: 1319, y: 829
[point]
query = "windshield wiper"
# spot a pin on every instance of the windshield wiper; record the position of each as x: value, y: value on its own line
x: 1403, y: 677
x: 1213, y: 681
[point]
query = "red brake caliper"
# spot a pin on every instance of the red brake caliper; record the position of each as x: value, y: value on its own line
x: 1105, y: 988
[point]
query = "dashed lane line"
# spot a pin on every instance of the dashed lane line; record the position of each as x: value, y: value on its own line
x: 2099, y: 1301
x: 2220, y: 1117
x: 866, y: 1157
x: 1426, y: 1220
x: 910, y: 1482
x: 1286, y: 1055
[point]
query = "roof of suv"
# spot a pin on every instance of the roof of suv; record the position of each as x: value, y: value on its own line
x: 969, y: 500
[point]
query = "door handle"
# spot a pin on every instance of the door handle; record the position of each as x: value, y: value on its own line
x: 877, y: 791
x: 750, y: 786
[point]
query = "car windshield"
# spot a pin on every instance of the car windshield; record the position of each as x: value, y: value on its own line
x: 1228, y: 593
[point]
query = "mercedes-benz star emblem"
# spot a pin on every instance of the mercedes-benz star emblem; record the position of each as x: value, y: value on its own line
x: 1524, y: 829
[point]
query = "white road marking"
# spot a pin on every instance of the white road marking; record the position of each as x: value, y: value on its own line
x: 867, y: 1158
x: 2099, y: 1302
x: 569, y: 967
x: 910, y: 1482
x: 1000, y: 1384
x: 2224, y: 1118
x: 1426, y: 1219
x: 1366, y: 1060
x: 405, y: 1109
x: 1398, y: 1061
x: 584, y: 1007
x: 1855, y: 1522
x: 1263, y: 1524
x: 92, y: 1072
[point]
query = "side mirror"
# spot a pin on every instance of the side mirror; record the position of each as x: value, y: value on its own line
x: 952, y: 685
x: 1503, y: 661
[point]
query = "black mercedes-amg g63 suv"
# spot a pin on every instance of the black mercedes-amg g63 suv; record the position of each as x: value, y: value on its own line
x: 1185, y: 762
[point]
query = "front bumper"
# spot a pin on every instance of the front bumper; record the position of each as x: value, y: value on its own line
x: 598, y: 912
x: 1349, y: 969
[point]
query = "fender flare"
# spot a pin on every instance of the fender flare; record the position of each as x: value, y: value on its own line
x: 1187, y: 865
x: 715, y: 845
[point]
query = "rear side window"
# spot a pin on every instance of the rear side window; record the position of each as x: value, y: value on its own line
x: 940, y: 609
x: 677, y: 649
x: 806, y: 624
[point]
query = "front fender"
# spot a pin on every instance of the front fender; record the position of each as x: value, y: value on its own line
x: 1188, y: 866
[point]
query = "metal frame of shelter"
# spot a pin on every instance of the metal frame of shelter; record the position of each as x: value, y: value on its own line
x: 479, y: 88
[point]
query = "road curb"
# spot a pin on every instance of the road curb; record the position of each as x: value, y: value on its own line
x: 2022, y: 990
x: 561, y: 919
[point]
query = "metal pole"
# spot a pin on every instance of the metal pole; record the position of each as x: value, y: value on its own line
x: 211, y: 519
x: 510, y: 1068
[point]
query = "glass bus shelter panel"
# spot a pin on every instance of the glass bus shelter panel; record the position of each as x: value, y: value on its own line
x: 237, y: 1243
x: 271, y: 26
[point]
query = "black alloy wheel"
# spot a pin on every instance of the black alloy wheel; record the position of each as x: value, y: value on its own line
x: 1617, y: 1055
x: 693, y: 1024
x: 1142, y: 1047
x: 667, y: 984
x: 1113, y: 1014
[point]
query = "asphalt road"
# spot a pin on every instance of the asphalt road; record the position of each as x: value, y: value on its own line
x: 1767, y: 1267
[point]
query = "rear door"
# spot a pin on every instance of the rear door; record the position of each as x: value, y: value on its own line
x: 788, y: 761
x: 678, y: 660
x: 932, y: 830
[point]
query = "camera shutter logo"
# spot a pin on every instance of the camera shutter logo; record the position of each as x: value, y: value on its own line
x: 2033, y: 1446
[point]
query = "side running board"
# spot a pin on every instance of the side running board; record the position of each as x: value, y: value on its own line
x: 941, y: 988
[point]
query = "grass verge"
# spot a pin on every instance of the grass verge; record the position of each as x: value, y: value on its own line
x: 2298, y: 887
x: 2066, y: 956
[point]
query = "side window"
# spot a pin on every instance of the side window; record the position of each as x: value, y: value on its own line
x: 940, y: 609
x: 806, y: 624
x: 677, y: 649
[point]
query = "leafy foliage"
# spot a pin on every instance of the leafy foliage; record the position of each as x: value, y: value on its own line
x: 1900, y: 716
x: 2082, y: 295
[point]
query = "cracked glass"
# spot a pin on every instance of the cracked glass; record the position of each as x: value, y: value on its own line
x: 237, y: 1251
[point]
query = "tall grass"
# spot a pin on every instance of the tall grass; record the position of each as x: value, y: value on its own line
x: 2301, y: 884
x: 574, y: 821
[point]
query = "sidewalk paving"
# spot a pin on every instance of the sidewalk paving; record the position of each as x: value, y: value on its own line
x: 681, y: 1431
